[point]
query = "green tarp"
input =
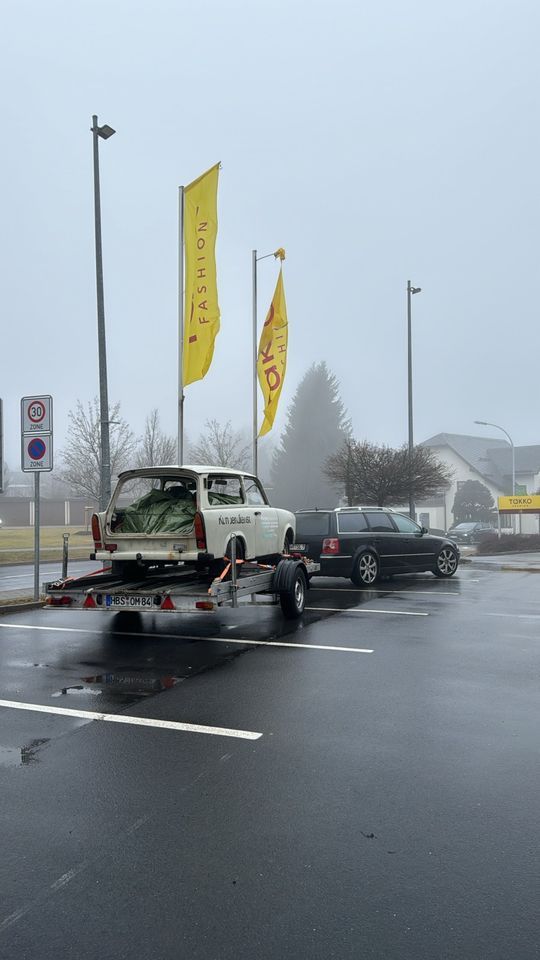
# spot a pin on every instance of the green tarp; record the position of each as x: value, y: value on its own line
x: 160, y: 511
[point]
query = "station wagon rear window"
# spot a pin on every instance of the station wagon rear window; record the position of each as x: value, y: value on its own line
x: 312, y: 525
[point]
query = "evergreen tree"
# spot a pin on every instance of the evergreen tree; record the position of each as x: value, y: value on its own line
x: 472, y: 502
x: 316, y: 428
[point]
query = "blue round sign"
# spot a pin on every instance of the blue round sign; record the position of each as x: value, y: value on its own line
x: 36, y: 449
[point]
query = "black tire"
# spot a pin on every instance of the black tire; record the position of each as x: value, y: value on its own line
x: 366, y: 570
x: 287, y: 540
x: 293, y: 600
x: 446, y: 563
x: 217, y: 566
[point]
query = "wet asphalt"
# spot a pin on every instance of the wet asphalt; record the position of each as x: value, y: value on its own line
x: 388, y: 809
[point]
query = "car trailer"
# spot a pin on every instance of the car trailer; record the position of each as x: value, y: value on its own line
x: 187, y: 591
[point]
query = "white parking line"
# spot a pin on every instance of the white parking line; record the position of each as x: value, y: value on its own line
x: 185, y: 636
x: 390, y: 590
x: 398, y: 613
x: 135, y: 721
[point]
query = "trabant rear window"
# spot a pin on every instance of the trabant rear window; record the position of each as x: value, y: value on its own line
x: 154, y: 505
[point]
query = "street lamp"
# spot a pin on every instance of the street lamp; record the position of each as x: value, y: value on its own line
x: 487, y: 423
x: 105, y: 465
x: 410, y: 293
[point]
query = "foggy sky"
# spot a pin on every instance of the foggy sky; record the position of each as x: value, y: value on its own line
x: 376, y: 142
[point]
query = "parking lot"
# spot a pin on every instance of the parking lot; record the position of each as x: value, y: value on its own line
x: 362, y: 782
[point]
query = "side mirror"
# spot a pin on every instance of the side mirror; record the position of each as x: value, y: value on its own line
x: 424, y: 529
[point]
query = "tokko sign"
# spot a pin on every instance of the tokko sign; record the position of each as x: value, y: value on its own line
x: 519, y: 504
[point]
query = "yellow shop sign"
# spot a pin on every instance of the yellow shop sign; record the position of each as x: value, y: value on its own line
x: 519, y: 504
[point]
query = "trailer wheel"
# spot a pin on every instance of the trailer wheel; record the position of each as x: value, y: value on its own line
x: 127, y: 621
x: 293, y: 599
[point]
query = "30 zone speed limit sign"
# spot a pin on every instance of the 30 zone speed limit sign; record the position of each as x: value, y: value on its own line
x: 36, y: 434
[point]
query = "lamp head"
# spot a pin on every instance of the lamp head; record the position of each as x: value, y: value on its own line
x: 105, y: 131
x: 416, y: 289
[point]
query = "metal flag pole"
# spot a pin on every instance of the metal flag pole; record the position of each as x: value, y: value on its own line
x: 180, y: 450
x: 255, y: 352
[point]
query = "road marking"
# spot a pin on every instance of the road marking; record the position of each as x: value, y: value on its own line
x: 390, y: 590
x: 135, y: 721
x: 200, y: 637
x: 398, y: 613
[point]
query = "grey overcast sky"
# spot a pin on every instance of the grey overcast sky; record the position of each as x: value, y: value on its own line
x: 377, y: 142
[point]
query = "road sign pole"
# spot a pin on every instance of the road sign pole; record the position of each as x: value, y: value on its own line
x: 36, y: 536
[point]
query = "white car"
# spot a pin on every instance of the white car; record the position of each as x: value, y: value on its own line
x: 160, y: 516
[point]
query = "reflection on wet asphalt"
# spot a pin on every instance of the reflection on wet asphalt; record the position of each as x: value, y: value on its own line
x: 128, y: 657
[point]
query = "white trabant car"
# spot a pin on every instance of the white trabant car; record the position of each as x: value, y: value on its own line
x: 160, y: 516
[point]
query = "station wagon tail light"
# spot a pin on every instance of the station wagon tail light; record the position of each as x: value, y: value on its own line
x: 96, y: 531
x: 200, y: 532
x: 330, y: 546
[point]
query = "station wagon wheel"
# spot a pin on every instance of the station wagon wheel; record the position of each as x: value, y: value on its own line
x: 447, y: 562
x: 365, y: 570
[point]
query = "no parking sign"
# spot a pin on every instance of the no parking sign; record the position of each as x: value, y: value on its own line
x: 36, y: 434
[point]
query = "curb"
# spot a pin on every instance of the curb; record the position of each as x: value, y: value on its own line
x: 22, y: 605
x: 507, y: 567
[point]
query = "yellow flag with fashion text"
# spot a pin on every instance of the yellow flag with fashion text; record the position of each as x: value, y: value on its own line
x: 201, y: 314
x: 272, y: 356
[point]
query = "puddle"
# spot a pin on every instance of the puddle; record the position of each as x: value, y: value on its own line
x: 21, y: 756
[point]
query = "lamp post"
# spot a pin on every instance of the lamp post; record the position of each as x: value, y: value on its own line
x: 105, y: 460
x: 487, y: 423
x: 410, y: 293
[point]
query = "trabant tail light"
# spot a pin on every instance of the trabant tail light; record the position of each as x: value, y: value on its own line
x: 96, y: 531
x: 330, y: 546
x: 200, y: 532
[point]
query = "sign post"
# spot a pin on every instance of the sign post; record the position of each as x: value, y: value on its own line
x: 36, y: 456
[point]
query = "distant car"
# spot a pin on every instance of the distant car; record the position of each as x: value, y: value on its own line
x: 471, y: 532
x: 365, y: 543
x: 163, y: 516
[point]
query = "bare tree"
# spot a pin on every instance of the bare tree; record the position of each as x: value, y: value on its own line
x: 222, y: 446
x: 372, y: 474
x: 156, y: 448
x: 82, y: 453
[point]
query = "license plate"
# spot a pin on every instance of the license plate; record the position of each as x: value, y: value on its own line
x: 180, y: 547
x: 297, y: 547
x: 138, y: 602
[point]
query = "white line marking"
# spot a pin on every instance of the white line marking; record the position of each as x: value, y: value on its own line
x: 390, y: 591
x: 136, y: 721
x: 185, y: 636
x: 398, y: 613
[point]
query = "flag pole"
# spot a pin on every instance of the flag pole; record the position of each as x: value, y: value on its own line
x: 255, y: 352
x: 180, y: 449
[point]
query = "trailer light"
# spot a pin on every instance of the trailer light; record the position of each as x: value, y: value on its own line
x: 204, y: 605
x: 330, y: 546
x: 89, y: 602
x: 59, y: 601
x: 167, y: 604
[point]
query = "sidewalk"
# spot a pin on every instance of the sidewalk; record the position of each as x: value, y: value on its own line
x: 524, y: 562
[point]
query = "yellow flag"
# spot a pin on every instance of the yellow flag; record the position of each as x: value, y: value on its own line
x: 272, y: 356
x: 201, y: 315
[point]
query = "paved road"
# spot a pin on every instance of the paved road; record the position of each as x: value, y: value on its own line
x: 18, y: 579
x: 375, y: 793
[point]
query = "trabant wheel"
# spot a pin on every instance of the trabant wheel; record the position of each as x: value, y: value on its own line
x: 287, y: 543
x: 447, y: 563
x: 293, y: 600
x: 365, y: 570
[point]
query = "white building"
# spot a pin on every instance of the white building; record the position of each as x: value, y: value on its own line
x: 488, y: 460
